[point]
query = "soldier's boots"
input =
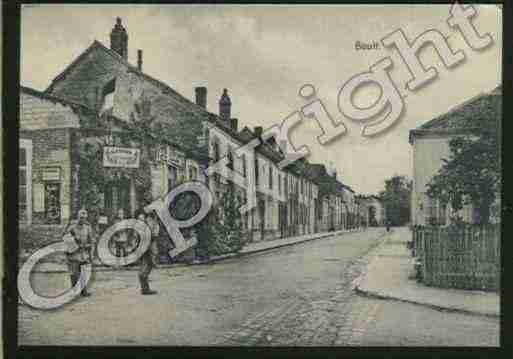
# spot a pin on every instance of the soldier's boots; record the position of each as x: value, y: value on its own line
x: 74, y: 280
x: 145, y: 287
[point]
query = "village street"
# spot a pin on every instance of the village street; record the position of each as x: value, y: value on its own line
x: 295, y: 295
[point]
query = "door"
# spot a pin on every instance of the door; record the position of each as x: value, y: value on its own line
x: 261, y: 212
x: 117, y: 196
x: 52, y: 203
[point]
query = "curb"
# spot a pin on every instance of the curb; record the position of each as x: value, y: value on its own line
x: 372, y: 294
x: 377, y: 295
x: 212, y: 260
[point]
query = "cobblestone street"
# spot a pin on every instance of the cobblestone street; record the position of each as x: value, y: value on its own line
x: 296, y: 295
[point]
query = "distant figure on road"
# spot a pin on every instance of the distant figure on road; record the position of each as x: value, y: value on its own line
x: 149, y: 258
x: 388, y: 225
x: 81, y: 237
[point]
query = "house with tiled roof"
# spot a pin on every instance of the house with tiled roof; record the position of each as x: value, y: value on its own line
x: 103, y: 91
x: 430, y: 144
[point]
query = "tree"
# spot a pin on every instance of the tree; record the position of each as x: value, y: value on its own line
x: 396, y: 199
x: 222, y: 231
x: 472, y: 173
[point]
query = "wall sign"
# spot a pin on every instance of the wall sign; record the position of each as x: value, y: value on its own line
x: 52, y: 174
x: 121, y: 157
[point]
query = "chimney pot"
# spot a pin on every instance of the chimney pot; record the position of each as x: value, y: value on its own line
x: 225, y: 106
x: 201, y: 96
x: 139, y: 59
x: 119, y: 39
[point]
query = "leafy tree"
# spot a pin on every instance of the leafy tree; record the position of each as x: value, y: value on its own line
x: 396, y: 199
x: 472, y: 173
x: 226, y: 232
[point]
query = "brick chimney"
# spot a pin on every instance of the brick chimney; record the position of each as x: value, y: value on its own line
x: 201, y: 96
x: 119, y: 39
x: 258, y: 131
x: 139, y: 60
x: 225, y: 106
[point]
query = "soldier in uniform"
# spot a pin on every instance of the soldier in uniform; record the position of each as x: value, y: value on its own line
x: 149, y: 258
x: 82, y: 233
x: 120, y: 239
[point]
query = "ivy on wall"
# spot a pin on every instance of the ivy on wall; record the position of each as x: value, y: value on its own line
x: 221, y: 231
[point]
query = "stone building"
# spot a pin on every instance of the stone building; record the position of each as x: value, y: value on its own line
x: 55, y: 135
x: 430, y: 143
x: 88, y: 114
x: 372, y: 210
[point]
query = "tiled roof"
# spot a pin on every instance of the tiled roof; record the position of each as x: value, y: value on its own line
x: 463, y: 117
x: 55, y: 99
x: 182, y: 105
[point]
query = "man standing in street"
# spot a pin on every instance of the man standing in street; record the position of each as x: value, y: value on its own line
x: 149, y: 258
x: 120, y: 239
x: 81, y: 232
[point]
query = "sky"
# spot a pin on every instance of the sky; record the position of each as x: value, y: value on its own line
x: 264, y: 54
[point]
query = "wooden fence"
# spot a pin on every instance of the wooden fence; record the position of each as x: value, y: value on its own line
x: 465, y: 257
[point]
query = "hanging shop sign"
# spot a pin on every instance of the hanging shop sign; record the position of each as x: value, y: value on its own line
x: 121, y: 157
x: 171, y: 156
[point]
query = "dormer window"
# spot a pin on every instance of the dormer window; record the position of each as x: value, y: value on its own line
x: 108, y: 97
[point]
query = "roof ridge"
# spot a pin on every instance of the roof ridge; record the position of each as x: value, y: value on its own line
x: 52, y: 97
x: 451, y: 111
x: 168, y: 90
x: 429, y: 125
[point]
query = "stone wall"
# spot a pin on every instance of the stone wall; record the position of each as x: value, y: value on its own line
x: 51, y: 151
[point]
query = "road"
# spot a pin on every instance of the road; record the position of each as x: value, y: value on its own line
x: 298, y: 295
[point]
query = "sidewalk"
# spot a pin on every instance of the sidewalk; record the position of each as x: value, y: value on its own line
x: 48, y: 267
x: 387, y: 276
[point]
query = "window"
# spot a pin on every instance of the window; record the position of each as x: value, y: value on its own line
x: 216, y: 151
x: 172, y: 177
x: 52, y: 203
x: 279, y: 183
x: 256, y: 171
x: 193, y: 173
x: 442, y: 211
x: 244, y: 170
x: 230, y: 159
x: 25, y: 181
x: 108, y: 96
x: 270, y: 177
x: 217, y: 155
x: 435, y: 212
